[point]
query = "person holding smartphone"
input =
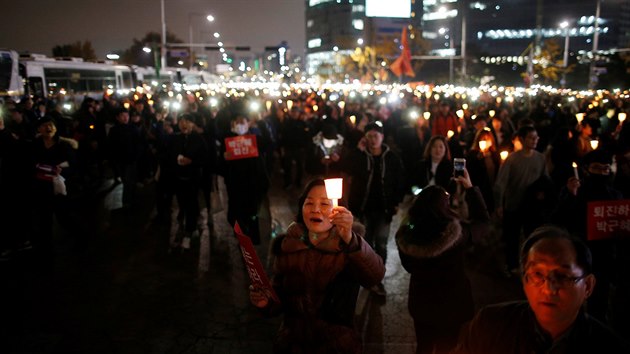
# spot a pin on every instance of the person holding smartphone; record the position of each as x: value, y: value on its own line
x: 318, y: 267
x: 431, y: 241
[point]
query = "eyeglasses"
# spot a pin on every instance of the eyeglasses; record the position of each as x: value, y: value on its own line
x: 537, y: 279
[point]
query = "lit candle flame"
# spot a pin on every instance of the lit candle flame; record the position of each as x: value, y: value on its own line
x: 353, y: 120
x: 621, y: 117
x: 483, y: 145
x: 289, y: 104
x: 594, y: 144
x: 504, y: 155
x: 450, y: 134
x: 426, y: 115
x: 491, y: 113
x: 268, y: 105
x: 460, y: 113
x: 334, y: 189
x: 579, y: 117
x: 342, y: 104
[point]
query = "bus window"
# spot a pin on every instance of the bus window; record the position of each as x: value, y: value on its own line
x: 128, y: 82
x: 36, y: 86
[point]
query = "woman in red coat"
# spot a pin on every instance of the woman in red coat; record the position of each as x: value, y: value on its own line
x: 319, y: 264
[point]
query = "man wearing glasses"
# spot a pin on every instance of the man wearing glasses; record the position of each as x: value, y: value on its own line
x: 557, y: 280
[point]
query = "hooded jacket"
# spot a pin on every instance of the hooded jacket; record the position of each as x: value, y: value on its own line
x: 440, y: 294
x: 318, y: 286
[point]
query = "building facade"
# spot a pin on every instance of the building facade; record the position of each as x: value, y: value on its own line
x: 337, y: 27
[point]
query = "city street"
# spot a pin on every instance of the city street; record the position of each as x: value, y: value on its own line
x: 115, y: 287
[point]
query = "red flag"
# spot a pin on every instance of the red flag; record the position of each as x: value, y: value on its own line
x: 255, y: 269
x: 402, y: 65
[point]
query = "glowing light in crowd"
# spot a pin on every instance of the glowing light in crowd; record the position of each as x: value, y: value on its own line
x: 460, y: 113
x: 504, y: 155
x: 575, y: 170
x: 491, y: 113
x: 289, y: 104
x: 579, y: 117
x: 426, y: 115
x: 342, y: 104
x: 621, y: 117
x: 594, y: 144
x: 353, y: 120
x: 450, y: 134
x: 334, y: 189
x: 483, y: 145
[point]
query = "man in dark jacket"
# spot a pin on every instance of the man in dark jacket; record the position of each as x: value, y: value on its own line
x: 557, y: 279
x: 189, y: 152
x: 294, y: 140
x: 124, y: 145
x: 377, y: 187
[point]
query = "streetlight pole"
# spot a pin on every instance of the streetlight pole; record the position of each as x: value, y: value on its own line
x: 565, y: 61
x: 210, y: 18
x: 163, y: 46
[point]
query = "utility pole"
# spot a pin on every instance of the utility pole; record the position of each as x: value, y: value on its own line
x: 592, y: 73
x: 163, y: 46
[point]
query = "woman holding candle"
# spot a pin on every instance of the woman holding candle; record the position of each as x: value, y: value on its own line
x: 483, y: 164
x: 431, y: 242
x: 318, y: 267
x: 436, y: 167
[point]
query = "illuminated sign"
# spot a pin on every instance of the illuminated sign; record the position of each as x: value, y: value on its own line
x: 390, y: 8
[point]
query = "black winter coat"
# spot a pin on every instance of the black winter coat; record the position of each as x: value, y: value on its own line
x: 361, y: 168
x: 440, y: 294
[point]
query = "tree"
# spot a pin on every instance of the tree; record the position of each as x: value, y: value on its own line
x: 549, y: 64
x: 135, y: 54
x: 78, y: 50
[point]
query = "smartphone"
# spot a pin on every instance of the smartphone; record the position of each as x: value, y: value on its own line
x: 458, y: 166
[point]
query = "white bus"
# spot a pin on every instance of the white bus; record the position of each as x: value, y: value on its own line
x: 45, y: 76
x: 10, y: 83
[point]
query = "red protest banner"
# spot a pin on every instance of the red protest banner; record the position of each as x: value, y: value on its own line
x: 254, y: 268
x: 608, y: 219
x: 241, y: 147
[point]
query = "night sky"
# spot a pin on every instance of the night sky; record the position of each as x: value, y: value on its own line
x: 111, y: 25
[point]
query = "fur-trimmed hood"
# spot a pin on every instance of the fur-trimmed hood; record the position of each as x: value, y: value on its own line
x: 411, y: 242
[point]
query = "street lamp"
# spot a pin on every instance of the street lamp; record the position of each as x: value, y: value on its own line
x: 209, y: 18
x: 565, y: 62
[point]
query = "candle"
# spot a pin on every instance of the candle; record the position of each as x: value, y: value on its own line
x: 268, y: 105
x: 575, y: 170
x: 491, y: 113
x: 334, y: 189
x: 353, y: 120
x: 504, y: 155
x: 579, y: 117
x: 289, y: 104
x: 594, y: 144
x: 342, y: 104
x: 621, y: 117
x: 426, y: 115
x: 483, y: 145
x: 315, y: 108
x: 450, y: 133
x: 460, y: 113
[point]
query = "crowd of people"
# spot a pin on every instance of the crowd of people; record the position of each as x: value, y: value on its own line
x: 529, y: 161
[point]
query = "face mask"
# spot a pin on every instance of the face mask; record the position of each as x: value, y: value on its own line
x: 240, y: 129
x: 329, y: 143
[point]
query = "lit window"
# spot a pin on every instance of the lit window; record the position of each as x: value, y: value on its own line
x: 315, y: 42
